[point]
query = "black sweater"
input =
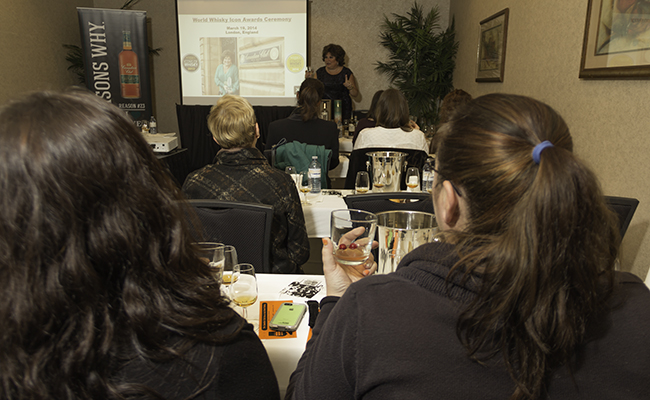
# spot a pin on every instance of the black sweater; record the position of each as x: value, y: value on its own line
x: 394, y: 337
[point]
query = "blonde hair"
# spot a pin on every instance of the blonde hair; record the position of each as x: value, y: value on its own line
x: 232, y: 122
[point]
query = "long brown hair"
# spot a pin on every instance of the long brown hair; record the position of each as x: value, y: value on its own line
x: 96, y: 261
x: 540, y: 236
x: 393, y: 110
x: 309, y: 96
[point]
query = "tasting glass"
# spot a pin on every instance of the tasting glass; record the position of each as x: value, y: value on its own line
x: 212, y: 255
x: 362, y: 183
x: 243, y: 288
x: 304, y: 186
x: 412, y: 179
x: 229, y: 262
x: 352, y: 248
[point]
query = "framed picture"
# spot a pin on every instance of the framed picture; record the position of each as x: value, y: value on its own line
x: 492, y: 40
x: 617, y: 40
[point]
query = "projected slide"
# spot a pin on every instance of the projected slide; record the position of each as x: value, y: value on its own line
x: 224, y: 48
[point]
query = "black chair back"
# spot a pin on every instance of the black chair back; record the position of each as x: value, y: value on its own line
x: 624, y: 207
x: 391, y: 201
x: 358, y: 158
x: 247, y: 226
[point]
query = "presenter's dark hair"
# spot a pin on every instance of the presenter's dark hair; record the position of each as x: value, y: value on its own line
x: 540, y: 236
x: 393, y: 110
x: 336, y: 51
x: 96, y: 261
x: 309, y: 97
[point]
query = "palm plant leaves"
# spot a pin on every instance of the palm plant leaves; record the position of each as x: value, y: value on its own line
x: 421, y: 60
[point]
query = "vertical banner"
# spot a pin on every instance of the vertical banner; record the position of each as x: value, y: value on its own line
x: 116, y: 58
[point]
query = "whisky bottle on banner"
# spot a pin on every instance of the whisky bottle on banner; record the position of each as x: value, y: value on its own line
x: 129, y: 73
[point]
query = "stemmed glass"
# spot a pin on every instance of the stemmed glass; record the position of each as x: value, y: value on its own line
x: 305, y: 186
x: 243, y: 288
x: 412, y: 179
x: 362, y: 182
x: 229, y: 262
x: 212, y: 255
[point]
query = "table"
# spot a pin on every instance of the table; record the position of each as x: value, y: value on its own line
x: 317, y: 214
x: 284, y: 353
x: 345, y: 145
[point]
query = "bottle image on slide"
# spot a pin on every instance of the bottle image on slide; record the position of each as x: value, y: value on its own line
x: 129, y: 72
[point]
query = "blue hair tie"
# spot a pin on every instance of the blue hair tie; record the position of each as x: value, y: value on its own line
x: 537, y: 151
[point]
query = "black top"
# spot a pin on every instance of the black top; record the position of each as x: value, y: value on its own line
x: 335, y: 90
x: 240, y: 369
x: 315, y: 131
x: 394, y: 337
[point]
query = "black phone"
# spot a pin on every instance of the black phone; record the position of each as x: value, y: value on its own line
x: 288, y: 317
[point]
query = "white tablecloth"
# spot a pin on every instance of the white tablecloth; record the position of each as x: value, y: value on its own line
x: 284, y: 353
x: 345, y: 145
x: 317, y: 214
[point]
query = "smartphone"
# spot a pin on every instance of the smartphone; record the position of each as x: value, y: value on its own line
x: 288, y: 317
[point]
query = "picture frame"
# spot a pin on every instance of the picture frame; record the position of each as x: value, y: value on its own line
x: 491, y: 54
x: 616, y: 42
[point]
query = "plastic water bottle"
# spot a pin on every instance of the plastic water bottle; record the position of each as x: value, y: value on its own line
x: 314, y: 174
x: 427, y: 176
x: 153, y: 126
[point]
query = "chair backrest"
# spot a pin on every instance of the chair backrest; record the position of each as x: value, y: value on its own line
x: 391, y: 201
x: 247, y: 226
x: 358, y: 158
x: 624, y: 207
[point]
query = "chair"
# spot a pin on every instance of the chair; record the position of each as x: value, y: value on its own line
x: 247, y: 226
x: 624, y: 207
x: 378, y: 202
x: 358, y: 158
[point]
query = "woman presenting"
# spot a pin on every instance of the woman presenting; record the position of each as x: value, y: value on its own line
x: 227, y: 75
x: 338, y: 80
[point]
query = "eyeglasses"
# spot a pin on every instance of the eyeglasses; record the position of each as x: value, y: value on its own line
x: 452, y: 183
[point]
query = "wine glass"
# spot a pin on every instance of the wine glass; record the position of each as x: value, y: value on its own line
x: 362, y: 183
x: 229, y: 262
x: 212, y: 255
x: 412, y: 179
x: 243, y: 288
x: 304, y: 186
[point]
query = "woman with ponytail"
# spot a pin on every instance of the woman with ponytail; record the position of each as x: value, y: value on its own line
x: 304, y: 125
x: 517, y: 299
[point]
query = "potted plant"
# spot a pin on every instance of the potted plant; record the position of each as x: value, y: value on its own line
x: 421, y: 61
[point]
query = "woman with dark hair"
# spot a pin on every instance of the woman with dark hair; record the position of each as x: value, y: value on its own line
x: 338, y: 80
x: 394, y: 128
x: 518, y: 297
x: 103, y: 295
x: 304, y: 125
x: 371, y: 117
x: 227, y: 75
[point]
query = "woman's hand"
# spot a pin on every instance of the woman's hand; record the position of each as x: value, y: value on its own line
x: 414, y: 125
x: 338, y: 277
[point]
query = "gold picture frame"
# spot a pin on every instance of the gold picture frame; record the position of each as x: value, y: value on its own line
x: 491, y: 54
x: 617, y: 41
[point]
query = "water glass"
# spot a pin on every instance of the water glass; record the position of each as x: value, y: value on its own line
x: 353, y: 232
x: 362, y: 182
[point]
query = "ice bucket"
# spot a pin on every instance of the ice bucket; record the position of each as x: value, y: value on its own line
x: 387, y: 169
x: 400, y: 232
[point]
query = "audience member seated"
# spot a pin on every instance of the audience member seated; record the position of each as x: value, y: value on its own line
x: 452, y: 101
x: 394, y: 129
x: 304, y: 125
x: 103, y: 296
x: 240, y: 172
x: 519, y: 298
x: 370, y: 119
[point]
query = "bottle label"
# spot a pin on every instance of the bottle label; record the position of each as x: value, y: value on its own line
x: 314, y: 172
